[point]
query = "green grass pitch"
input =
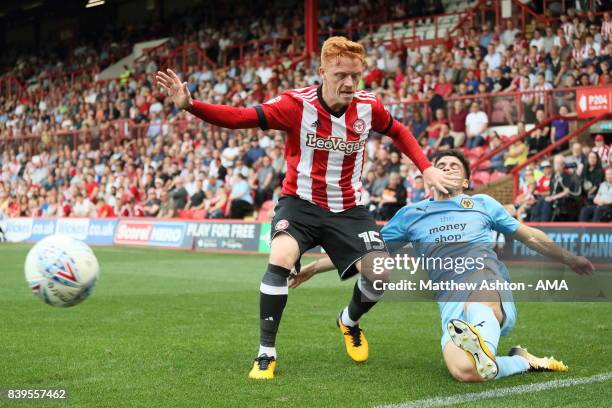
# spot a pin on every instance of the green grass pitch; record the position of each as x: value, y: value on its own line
x: 179, y: 329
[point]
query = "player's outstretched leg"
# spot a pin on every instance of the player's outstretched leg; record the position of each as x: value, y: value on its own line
x: 364, y: 298
x: 478, y: 337
x: 273, y: 293
x: 538, y: 363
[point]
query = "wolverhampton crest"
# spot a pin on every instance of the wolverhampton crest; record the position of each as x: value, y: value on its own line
x: 467, y: 203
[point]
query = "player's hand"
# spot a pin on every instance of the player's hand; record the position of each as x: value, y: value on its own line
x: 296, y: 279
x: 581, y: 265
x: 441, y: 180
x: 176, y: 90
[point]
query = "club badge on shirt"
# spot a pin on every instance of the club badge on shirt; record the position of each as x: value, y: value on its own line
x: 467, y: 203
x: 359, y: 126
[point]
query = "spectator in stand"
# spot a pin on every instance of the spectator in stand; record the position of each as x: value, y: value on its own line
x: 83, y: 207
x: 394, y: 162
x: 445, y: 141
x: 541, y: 86
x: 230, y: 153
x: 516, y: 154
x: 563, y: 187
x: 104, y: 210
x: 577, y: 158
x: 433, y: 130
x: 493, y: 58
x: 540, y: 138
x: 417, y: 192
x: 476, y: 123
x: 560, y: 129
x: 601, y: 210
x: 592, y: 176
x: 602, y: 150
x: 541, y: 192
x: 151, y: 207
x: 509, y: 35
x: 526, y: 197
x: 418, y: 125
x: 167, y: 206
x: 373, y: 75
x: 457, y: 123
x: 52, y: 209
x: 178, y: 193
x: 443, y: 87
x: 497, y: 161
x: 434, y: 100
x: 380, y: 182
x: 264, y: 182
x: 197, y: 199
x: 255, y: 152
x: 392, y: 199
x: 241, y: 202
x: 217, y: 203
x: 486, y: 36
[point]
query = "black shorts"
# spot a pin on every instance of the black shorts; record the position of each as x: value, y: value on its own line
x: 346, y: 236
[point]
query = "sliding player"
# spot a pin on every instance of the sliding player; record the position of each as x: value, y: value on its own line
x: 473, y: 322
x: 327, y: 128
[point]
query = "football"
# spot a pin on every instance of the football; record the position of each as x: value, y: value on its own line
x: 62, y: 271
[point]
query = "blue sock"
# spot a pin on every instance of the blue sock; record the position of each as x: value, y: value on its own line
x: 484, y: 320
x: 510, y: 365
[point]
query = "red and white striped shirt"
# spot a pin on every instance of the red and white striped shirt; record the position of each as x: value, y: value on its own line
x: 579, y: 54
x: 606, y: 28
x: 569, y: 30
x: 603, y: 152
x: 324, y: 150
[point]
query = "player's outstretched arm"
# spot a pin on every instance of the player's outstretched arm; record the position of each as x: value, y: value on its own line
x: 323, y: 264
x: 541, y: 243
x: 402, y: 138
x: 220, y: 115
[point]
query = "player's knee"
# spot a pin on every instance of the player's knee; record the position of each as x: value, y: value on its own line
x: 284, y: 251
x: 372, y: 267
x: 464, y: 372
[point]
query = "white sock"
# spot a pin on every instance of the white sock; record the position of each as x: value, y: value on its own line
x: 346, y: 320
x: 269, y: 351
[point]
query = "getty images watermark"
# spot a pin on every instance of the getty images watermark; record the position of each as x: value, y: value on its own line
x: 457, y: 265
x: 456, y: 272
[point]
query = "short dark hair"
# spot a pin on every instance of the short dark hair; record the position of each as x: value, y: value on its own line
x: 454, y: 153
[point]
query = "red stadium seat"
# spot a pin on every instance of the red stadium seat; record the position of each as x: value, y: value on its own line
x: 264, y: 211
x: 481, y: 177
x: 478, y: 151
x: 185, y: 214
x: 484, y: 165
x: 497, y: 175
x: 198, y: 215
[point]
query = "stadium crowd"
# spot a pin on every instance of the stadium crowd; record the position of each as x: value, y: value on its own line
x: 83, y: 163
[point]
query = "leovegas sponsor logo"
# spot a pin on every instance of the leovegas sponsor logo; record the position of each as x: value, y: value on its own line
x: 334, y: 143
x: 133, y: 233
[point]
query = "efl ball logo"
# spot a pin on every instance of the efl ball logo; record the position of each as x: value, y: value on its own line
x: 281, y: 225
x: 359, y: 126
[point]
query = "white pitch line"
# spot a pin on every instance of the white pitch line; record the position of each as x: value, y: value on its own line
x: 500, y: 392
